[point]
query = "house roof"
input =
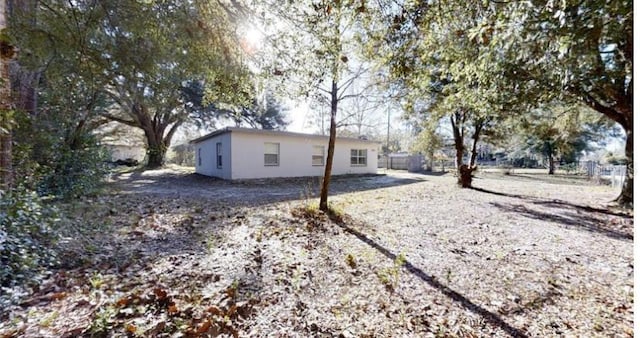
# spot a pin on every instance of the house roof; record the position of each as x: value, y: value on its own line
x: 271, y: 132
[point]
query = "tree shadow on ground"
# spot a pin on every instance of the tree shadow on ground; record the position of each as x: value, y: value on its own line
x: 465, y: 302
x: 431, y: 173
x: 569, y: 218
x: 563, y: 179
x: 251, y: 192
x: 557, y: 203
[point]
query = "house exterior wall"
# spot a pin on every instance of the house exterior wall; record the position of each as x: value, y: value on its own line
x: 295, y: 156
x: 206, y: 150
x: 243, y: 154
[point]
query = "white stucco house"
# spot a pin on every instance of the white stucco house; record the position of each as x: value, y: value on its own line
x: 243, y: 153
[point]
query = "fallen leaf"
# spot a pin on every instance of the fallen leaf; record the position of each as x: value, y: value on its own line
x: 203, y: 327
x: 214, y: 310
x: 160, y: 293
x: 131, y: 328
x: 58, y: 295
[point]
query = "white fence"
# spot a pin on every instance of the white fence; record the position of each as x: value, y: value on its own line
x: 616, y: 174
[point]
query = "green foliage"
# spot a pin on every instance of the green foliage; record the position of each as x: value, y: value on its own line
x: 427, y: 142
x: 27, y: 237
x: 562, y: 132
x: 264, y: 112
x: 135, y: 56
x: 53, y: 159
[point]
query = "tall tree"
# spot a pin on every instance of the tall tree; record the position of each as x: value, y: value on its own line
x: 315, y: 52
x: 142, y: 53
x: 431, y: 56
x: 153, y: 54
x: 578, y: 50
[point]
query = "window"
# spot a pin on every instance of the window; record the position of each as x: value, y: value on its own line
x: 199, y: 157
x: 271, y: 154
x: 317, y: 158
x: 358, y: 157
x: 219, y: 155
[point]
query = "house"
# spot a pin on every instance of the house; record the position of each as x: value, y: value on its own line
x: 243, y: 153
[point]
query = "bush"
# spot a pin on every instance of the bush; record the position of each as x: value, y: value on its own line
x: 54, y: 161
x: 74, y: 172
x: 26, y: 237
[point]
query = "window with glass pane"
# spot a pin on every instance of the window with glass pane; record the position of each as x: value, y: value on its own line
x: 358, y: 157
x: 271, y: 153
x: 317, y: 158
x: 219, y: 155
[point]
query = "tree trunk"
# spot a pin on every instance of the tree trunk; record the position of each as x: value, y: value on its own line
x: 552, y: 165
x: 465, y: 176
x: 476, y: 138
x: 625, y: 198
x: 156, y: 152
x: 464, y: 172
x: 156, y: 148
x: 6, y: 140
x: 324, y: 193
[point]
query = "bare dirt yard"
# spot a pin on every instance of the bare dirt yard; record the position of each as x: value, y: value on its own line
x: 168, y: 253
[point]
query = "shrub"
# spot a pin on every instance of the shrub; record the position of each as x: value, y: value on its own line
x: 53, y: 159
x: 26, y: 237
x: 75, y: 172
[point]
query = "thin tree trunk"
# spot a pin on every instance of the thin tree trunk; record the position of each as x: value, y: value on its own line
x: 476, y: 138
x: 324, y: 193
x: 552, y: 165
x: 458, y: 138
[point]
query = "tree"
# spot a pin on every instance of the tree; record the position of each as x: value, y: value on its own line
x: 534, y: 53
x: 155, y: 53
x: 264, y: 112
x: 574, y: 51
x: 429, y: 56
x: 318, y: 58
x: 560, y: 132
x: 6, y: 107
x: 428, y: 141
x: 141, y: 53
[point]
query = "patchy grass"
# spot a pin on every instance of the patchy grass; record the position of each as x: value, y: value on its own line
x: 408, y: 257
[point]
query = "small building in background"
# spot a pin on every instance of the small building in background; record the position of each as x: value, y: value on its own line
x: 244, y: 153
x: 122, y: 142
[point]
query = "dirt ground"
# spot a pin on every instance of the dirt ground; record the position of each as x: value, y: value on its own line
x: 168, y: 253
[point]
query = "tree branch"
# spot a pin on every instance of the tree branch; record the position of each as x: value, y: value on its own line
x: 120, y: 120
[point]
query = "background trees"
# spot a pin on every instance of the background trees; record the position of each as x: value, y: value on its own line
x: 561, y: 133
x: 512, y: 57
x: 584, y: 50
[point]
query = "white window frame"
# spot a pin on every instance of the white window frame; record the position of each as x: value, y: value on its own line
x: 277, y: 153
x: 317, y: 155
x: 219, y: 155
x: 360, y: 157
